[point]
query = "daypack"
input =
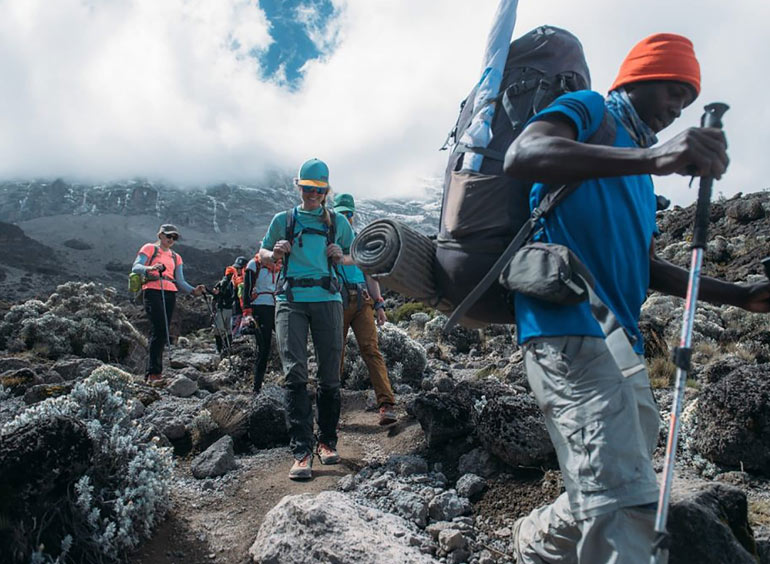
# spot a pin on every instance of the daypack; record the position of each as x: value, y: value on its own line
x: 483, y: 211
x: 137, y: 281
x: 330, y: 283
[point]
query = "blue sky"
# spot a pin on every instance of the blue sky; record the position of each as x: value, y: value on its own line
x: 295, y: 26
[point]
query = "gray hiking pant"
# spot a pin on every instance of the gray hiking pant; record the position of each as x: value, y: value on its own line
x: 324, y: 320
x: 604, y: 428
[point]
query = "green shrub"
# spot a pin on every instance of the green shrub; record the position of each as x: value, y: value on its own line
x: 405, y: 311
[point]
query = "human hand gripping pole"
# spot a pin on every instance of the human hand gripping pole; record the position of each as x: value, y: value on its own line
x: 711, y: 118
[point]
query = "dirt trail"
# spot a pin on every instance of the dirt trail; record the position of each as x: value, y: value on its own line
x: 221, y: 528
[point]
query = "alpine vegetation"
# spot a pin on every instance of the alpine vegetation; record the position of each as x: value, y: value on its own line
x: 117, y: 493
x: 78, y: 319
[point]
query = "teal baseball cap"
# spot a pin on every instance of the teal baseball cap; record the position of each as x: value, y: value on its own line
x: 313, y: 173
x: 344, y: 203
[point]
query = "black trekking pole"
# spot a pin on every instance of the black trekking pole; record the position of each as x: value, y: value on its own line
x: 163, y: 300
x: 682, y: 354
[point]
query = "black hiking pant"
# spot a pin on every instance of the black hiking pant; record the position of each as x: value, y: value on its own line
x: 324, y: 320
x: 265, y: 317
x: 153, y: 307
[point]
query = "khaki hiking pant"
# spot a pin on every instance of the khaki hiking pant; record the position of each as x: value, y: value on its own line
x: 365, y: 330
x: 604, y: 428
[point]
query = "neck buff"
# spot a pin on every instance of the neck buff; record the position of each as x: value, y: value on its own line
x: 619, y: 105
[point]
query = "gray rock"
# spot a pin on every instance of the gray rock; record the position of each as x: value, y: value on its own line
x: 458, y: 556
x: 411, y: 506
x: 331, y: 527
x: 182, y: 387
x: 181, y: 358
x: 451, y: 539
x: 347, y: 483
x: 746, y: 211
x: 215, y: 381
x: 407, y: 464
x: 215, y: 461
x: 479, y: 462
x: 13, y: 363
x: 469, y: 485
x: 260, y: 421
x: 448, y: 505
x: 434, y: 529
x: 733, y: 415
x: 20, y: 380
x: 512, y: 427
x: 709, y: 525
x: 444, y: 384
x: 42, y: 392
x: 76, y: 368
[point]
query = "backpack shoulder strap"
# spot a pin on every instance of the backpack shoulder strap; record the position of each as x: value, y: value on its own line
x: 176, y: 259
x: 331, y: 233
x: 155, y: 249
x: 290, y: 219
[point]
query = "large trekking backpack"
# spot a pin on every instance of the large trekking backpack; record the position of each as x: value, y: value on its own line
x: 483, y: 211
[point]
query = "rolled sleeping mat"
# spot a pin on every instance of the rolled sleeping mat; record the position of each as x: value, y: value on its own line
x: 398, y: 257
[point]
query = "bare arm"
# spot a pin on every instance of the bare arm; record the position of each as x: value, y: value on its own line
x: 671, y: 279
x: 547, y: 151
x: 374, y: 288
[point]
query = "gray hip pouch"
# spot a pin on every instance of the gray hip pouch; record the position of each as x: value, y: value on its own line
x: 549, y: 272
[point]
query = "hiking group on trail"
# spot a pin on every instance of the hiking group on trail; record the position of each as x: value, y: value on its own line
x: 581, y: 163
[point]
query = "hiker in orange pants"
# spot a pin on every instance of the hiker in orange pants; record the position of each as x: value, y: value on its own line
x: 364, y: 302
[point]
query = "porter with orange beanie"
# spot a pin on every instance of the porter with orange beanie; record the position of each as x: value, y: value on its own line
x: 602, y: 422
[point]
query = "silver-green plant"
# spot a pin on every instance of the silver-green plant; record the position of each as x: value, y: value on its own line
x: 126, y: 489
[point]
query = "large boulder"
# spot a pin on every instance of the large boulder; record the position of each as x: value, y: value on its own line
x: 733, y: 415
x: 709, y: 525
x: 511, y: 426
x: 76, y: 368
x: 507, y: 422
x: 261, y: 421
x: 331, y: 527
x: 34, y: 479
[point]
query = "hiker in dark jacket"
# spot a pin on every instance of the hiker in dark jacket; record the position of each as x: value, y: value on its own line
x: 163, y: 269
x: 259, y: 288
x: 224, y: 297
x: 308, y: 298
x: 364, y: 304
x: 604, y: 425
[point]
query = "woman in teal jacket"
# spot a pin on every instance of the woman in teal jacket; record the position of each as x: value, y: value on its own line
x: 309, y: 238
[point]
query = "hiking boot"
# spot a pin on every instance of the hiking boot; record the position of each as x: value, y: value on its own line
x: 327, y: 454
x: 155, y: 380
x: 302, y: 469
x: 387, y: 414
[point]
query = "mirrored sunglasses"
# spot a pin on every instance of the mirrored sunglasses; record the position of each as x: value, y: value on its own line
x: 316, y: 189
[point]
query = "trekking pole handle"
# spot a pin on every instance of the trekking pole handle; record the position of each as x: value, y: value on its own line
x: 712, y: 117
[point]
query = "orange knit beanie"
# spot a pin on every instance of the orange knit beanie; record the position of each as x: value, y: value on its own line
x: 662, y: 56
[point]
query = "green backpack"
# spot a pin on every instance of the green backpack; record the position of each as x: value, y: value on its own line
x: 136, y: 281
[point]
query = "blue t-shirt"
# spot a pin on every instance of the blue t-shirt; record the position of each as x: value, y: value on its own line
x: 351, y: 274
x: 609, y: 224
x: 308, y: 259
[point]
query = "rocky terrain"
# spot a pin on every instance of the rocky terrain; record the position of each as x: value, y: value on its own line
x: 196, y: 471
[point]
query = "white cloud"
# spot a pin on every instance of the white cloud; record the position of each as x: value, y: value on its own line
x: 112, y: 89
